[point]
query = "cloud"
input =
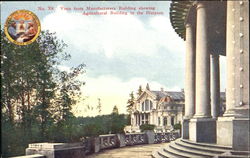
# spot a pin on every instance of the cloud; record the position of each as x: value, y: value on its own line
x: 113, y: 35
x: 121, y: 53
x: 112, y: 91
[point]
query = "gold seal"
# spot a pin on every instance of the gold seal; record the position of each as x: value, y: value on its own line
x: 22, y: 27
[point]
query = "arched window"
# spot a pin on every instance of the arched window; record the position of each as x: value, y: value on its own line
x: 142, y: 106
x: 146, y: 105
x: 151, y: 105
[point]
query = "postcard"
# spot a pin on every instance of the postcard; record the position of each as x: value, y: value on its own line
x: 120, y: 78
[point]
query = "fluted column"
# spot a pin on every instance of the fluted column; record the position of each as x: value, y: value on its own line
x: 202, y: 91
x: 190, y: 72
x: 215, y: 85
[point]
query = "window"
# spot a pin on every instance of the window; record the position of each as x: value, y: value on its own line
x: 165, y: 121
x: 142, y: 106
x: 172, y: 120
x: 151, y: 105
x: 146, y: 119
x: 142, y: 119
x: 159, y: 121
x: 147, y: 105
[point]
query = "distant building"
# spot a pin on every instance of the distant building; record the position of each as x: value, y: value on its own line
x: 162, y: 108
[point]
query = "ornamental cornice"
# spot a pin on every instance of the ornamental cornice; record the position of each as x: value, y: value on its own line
x: 178, y: 14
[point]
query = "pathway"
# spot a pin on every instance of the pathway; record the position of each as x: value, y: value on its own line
x: 137, y: 151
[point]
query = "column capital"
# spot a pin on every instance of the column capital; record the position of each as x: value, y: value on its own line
x: 188, y: 25
x: 200, y: 5
x: 215, y: 56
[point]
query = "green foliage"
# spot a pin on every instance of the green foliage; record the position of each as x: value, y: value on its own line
x: 128, y: 120
x: 115, y: 110
x: 130, y: 102
x: 147, y: 127
x: 177, y: 126
x: 92, y: 129
x: 99, y: 106
x: 37, y: 97
x: 118, y: 122
x: 139, y: 91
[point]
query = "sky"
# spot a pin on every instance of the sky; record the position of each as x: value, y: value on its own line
x: 121, y: 52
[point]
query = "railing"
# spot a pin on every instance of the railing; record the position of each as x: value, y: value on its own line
x: 129, y: 139
x: 88, y: 145
x: 165, y: 137
x: 135, y: 139
x: 95, y: 144
x: 108, y: 141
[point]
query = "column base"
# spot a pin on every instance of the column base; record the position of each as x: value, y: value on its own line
x: 233, y: 132
x: 241, y: 113
x: 185, y: 129
x: 202, y: 130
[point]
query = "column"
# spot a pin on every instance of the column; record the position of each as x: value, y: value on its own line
x: 202, y: 128
x: 202, y: 90
x: 189, y: 79
x: 237, y: 46
x: 140, y: 119
x: 135, y: 119
x: 215, y: 85
x: 190, y: 72
x: 233, y: 127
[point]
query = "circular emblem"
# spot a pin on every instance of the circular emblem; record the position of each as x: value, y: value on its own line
x: 22, y: 27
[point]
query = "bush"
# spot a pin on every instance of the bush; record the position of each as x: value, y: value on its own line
x: 147, y: 127
x: 177, y: 126
x: 92, y: 130
x: 117, y: 123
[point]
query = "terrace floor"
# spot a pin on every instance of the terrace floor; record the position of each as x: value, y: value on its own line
x: 137, y: 151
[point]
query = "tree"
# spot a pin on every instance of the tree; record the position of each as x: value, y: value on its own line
x: 115, y: 110
x: 147, y: 87
x: 69, y: 91
x: 139, y: 91
x: 99, y: 106
x: 130, y: 103
x: 33, y: 87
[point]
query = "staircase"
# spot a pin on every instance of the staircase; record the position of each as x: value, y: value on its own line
x: 182, y: 148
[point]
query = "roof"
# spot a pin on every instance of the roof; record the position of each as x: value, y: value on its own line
x: 172, y: 94
x: 160, y: 94
x: 178, y: 95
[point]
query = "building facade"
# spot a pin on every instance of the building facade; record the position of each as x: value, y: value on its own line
x: 161, y: 108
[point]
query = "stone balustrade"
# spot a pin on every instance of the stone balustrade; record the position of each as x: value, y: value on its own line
x: 108, y: 141
x: 135, y: 139
x: 95, y: 144
x: 166, y: 137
